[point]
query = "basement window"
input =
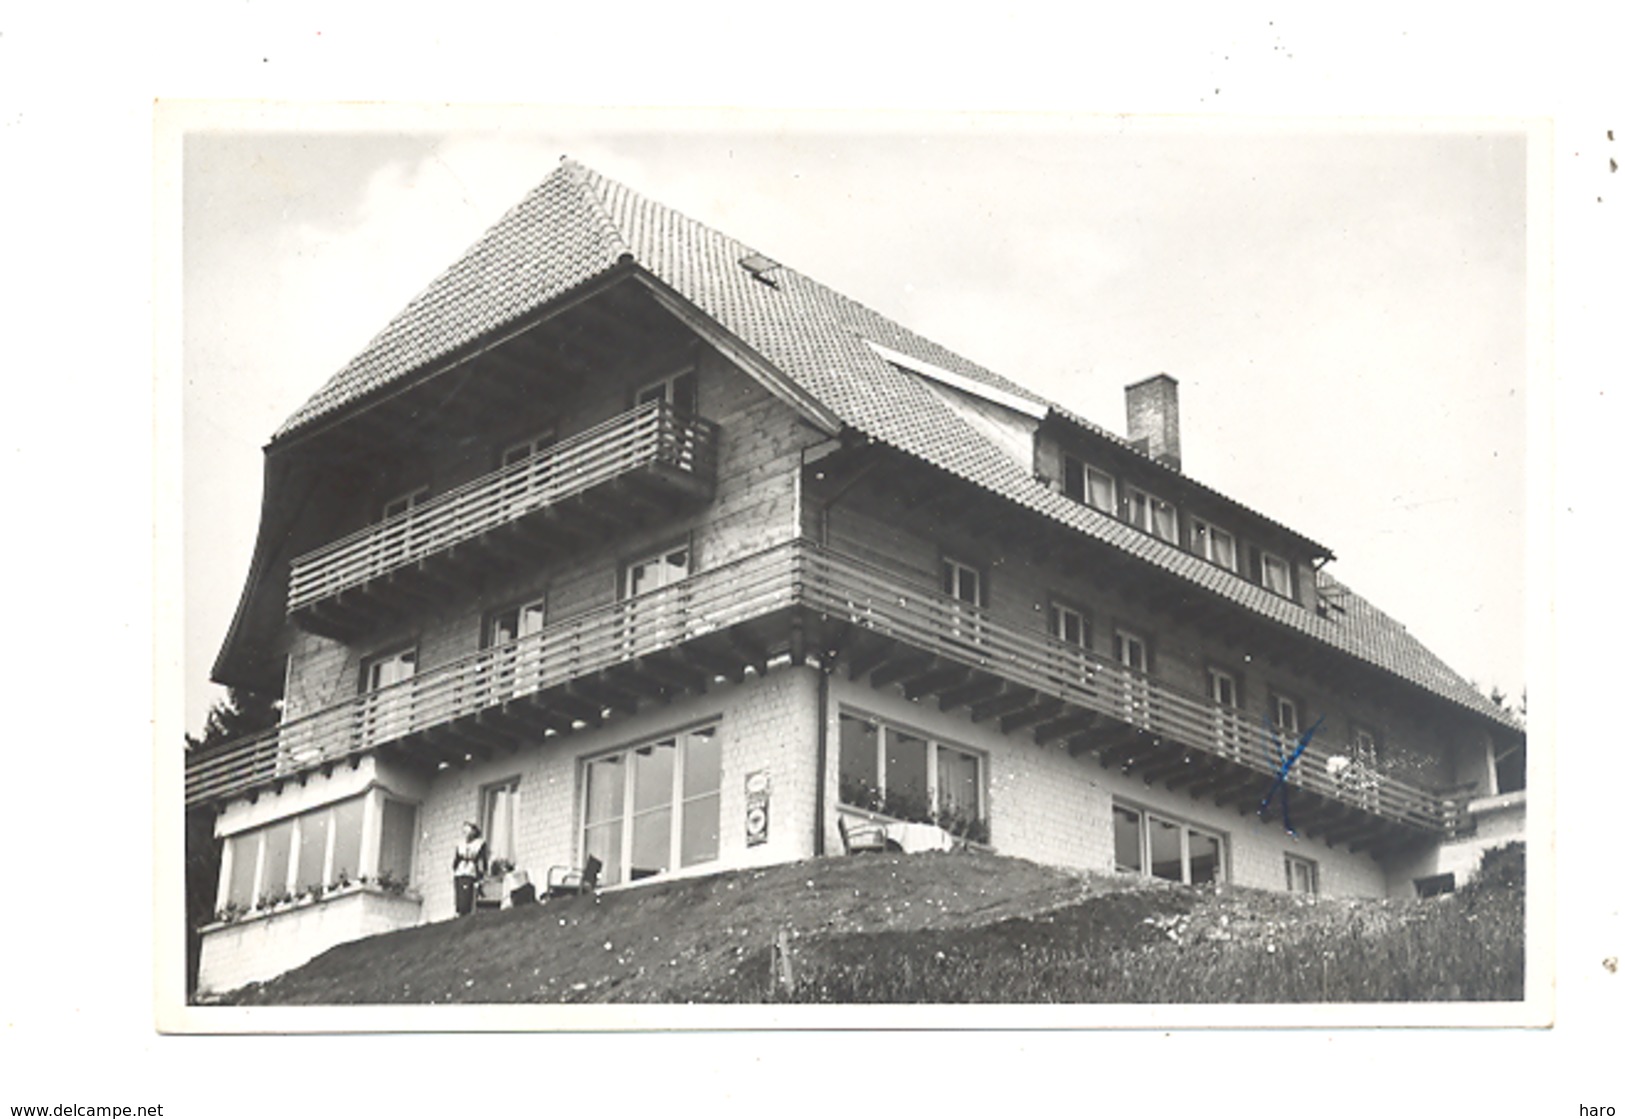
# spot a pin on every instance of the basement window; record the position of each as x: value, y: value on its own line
x: 1162, y: 847
x: 1434, y: 885
x: 1302, y: 876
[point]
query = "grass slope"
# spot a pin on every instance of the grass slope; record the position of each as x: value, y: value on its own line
x: 938, y: 928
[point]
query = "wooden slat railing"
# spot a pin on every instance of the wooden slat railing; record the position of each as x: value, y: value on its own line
x: 704, y: 603
x: 651, y: 433
x: 840, y: 590
x: 867, y: 596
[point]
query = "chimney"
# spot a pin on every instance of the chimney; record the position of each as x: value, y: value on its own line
x: 1153, y: 417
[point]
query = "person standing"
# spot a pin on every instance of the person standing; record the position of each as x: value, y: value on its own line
x: 468, y: 864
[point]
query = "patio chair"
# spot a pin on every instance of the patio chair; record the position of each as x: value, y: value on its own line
x: 860, y: 837
x: 569, y: 881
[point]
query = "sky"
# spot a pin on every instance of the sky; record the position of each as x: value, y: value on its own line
x: 1344, y: 309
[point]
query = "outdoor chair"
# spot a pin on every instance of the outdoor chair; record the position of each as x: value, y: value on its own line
x: 860, y: 837
x: 567, y: 881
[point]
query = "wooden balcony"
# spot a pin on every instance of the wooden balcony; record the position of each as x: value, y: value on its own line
x: 645, y: 465
x: 800, y: 601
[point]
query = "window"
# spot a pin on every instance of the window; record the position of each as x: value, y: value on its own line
x: 1435, y: 885
x: 1146, y: 843
x: 910, y: 776
x: 680, y: 390
x: 1153, y: 515
x: 1277, y: 576
x: 527, y: 449
x: 654, y: 807
x: 1082, y: 482
x: 406, y: 501
x: 1302, y: 876
x: 386, y: 711
x: 308, y: 854
x: 528, y: 487
x: 514, y: 667
x: 1213, y: 544
x: 1284, y: 716
x: 1070, y: 625
x: 659, y: 621
x: 1226, y: 696
x: 1130, y: 651
x: 499, y: 815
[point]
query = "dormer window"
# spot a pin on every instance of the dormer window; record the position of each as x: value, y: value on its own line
x: 1082, y: 482
x: 1276, y: 575
x: 1153, y: 515
x: 1213, y: 544
x: 680, y: 390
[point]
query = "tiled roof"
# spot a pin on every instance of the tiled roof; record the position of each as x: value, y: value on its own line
x: 577, y: 225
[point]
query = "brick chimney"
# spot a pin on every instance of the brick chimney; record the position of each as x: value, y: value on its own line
x: 1153, y: 417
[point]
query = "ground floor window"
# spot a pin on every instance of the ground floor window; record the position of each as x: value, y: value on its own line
x: 317, y: 851
x: 1163, y: 847
x: 911, y: 776
x: 1302, y: 876
x: 654, y: 807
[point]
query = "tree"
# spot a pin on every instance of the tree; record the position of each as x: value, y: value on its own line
x: 240, y: 713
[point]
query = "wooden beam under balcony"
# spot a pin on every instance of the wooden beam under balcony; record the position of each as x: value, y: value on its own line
x: 980, y: 686
x: 670, y: 669
x: 935, y: 681
x: 901, y: 667
x: 1068, y: 724
x: 1044, y: 707
x: 998, y: 705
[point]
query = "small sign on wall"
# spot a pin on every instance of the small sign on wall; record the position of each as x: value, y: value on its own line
x: 757, y: 787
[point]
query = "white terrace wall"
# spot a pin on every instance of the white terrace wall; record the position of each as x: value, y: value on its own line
x: 1047, y: 806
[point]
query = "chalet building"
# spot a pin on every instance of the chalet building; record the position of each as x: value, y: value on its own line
x: 631, y: 543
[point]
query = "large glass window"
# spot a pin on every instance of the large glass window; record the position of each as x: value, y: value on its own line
x: 911, y: 776
x: 654, y: 807
x: 308, y: 854
x: 1162, y: 847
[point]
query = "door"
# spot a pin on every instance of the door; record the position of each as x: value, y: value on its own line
x: 515, y: 664
x: 386, y: 709
x: 963, y: 585
x: 1136, y: 699
x: 1226, y: 716
x: 655, y: 611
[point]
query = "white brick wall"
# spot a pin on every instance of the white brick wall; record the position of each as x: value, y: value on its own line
x: 264, y: 947
x: 1050, y: 807
x: 765, y: 723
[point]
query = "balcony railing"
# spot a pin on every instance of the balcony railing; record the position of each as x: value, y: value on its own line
x: 651, y: 438
x: 931, y: 644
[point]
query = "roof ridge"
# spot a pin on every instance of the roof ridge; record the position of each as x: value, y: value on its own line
x: 582, y: 176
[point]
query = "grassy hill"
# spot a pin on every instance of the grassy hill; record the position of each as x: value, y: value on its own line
x: 939, y: 928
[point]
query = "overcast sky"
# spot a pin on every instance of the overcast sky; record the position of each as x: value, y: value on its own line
x: 1345, y: 311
